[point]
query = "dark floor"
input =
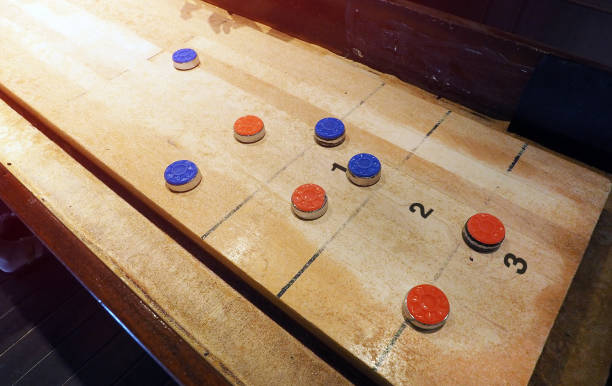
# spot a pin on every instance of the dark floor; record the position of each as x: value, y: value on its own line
x: 53, y: 332
x: 579, y: 347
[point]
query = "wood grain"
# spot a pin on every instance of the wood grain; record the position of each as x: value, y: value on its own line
x: 343, y: 276
x: 191, y: 320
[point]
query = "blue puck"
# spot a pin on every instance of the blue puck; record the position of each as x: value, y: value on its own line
x: 182, y: 175
x: 363, y: 169
x: 185, y: 59
x: 364, y: 165
x: 329, y: 128
x: 184, y: 55
x: 329, y: 132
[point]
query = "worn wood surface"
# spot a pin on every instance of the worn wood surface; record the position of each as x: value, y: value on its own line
x: 100, y: 75
x: 194, y: 322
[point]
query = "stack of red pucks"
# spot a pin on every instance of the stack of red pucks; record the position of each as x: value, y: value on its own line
x: 484, y: 233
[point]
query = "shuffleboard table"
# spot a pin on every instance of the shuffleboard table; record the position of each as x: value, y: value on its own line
x: 98, y: 78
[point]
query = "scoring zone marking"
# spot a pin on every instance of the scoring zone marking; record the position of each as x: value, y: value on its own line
x: 231, y: 212
x: 363, y: 101
x: 430, y: 132
x: 318, y: 253
x: 385, y: 353
x: 387, y: 349
x: 518, y: 156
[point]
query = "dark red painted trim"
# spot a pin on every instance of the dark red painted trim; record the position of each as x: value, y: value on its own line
x: 318, y: 21
x: 459, y: 61
x: 477, y: 66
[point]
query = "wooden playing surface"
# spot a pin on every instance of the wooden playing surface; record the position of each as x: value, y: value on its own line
x: 192, y: 300
x: 101, y: 75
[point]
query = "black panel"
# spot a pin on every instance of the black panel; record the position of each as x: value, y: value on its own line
x: 568, y: 108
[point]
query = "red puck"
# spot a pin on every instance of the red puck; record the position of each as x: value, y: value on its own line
x: 426, y: 306
x: 249, y: 129
x: 484, y: 232
x: 309, y: 201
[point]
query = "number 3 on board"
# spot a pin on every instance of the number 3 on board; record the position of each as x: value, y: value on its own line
x: 510, y: 258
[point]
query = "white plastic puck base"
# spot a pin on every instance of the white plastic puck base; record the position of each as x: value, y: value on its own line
x: 188, y: 186
x: 330, y: 142
x: 313, y: 215
x: 187, y: 65
x: 408, y: 316
x: 362, y: 181
x: 250, y: 138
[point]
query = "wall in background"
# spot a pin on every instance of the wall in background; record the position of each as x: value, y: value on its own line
x: 581, y: 28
